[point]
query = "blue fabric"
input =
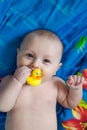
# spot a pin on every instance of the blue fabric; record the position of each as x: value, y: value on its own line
x: 66, y: 18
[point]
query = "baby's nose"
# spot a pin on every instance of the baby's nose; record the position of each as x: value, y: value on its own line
x: 36, y: 64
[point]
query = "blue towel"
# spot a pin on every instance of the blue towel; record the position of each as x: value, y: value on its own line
x: 68, y: 19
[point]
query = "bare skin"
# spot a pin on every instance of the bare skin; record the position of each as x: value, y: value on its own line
x: 34, y: 108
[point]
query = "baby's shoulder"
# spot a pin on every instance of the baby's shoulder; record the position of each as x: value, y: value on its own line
x: 58, y: 81
x: 5, y: 80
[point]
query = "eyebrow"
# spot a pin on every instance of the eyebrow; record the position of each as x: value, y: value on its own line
x: 48, y: 56
x: 26, y: 50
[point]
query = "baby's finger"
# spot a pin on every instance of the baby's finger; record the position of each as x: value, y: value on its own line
x: 71, y: 79
x: 76, y: 79
x: 82, y: 79
x: 79, y: 80
x: 25, y: 69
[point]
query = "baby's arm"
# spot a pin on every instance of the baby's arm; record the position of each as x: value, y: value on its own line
x: 10, y: 88
x: 71, y: 95
x: 75, y: 90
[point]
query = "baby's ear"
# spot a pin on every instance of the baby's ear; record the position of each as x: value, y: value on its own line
x: 57, y: 68
x: 59, y: 65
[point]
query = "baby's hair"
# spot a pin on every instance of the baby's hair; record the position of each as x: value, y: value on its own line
x: 45, y: 33
x: 42, y: 33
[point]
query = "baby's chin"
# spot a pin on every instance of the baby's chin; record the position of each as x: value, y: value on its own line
x: 45, y: 79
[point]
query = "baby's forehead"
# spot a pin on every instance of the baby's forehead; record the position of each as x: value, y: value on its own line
x: 42, y: 35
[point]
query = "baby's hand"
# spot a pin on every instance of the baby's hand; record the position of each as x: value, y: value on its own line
x: 22, y: 73
x: 75, y: 81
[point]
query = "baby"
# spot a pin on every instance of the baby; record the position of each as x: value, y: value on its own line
x: 34, y: 108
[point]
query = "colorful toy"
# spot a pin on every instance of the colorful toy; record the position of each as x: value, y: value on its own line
x: 84, y: 73
x: 35, y: 78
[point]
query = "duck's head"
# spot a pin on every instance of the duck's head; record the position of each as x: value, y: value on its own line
x: 36, y: 73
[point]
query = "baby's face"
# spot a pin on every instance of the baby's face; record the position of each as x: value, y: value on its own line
x: 42, y: 53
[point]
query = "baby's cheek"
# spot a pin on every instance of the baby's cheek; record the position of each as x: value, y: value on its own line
x: 45, y: 77
x: 23, y: 63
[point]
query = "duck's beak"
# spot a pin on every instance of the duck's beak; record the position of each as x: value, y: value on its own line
x: 38, y: 77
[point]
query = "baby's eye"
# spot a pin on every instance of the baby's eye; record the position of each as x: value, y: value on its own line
x: 46, y: 60
x: 30, y: 55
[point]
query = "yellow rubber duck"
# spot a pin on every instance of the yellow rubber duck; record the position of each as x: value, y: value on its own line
x: 35, y: 78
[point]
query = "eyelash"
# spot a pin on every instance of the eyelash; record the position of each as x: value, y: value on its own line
x: 30, y: 55
x: 46, y: 60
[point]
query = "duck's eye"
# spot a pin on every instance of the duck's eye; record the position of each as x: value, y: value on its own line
x: 30, y: 55
x: 46, y: 60
x: 36, y: 73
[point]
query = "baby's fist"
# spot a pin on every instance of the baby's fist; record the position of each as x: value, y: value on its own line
x: 75, y: 81
x: 22, y: 73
